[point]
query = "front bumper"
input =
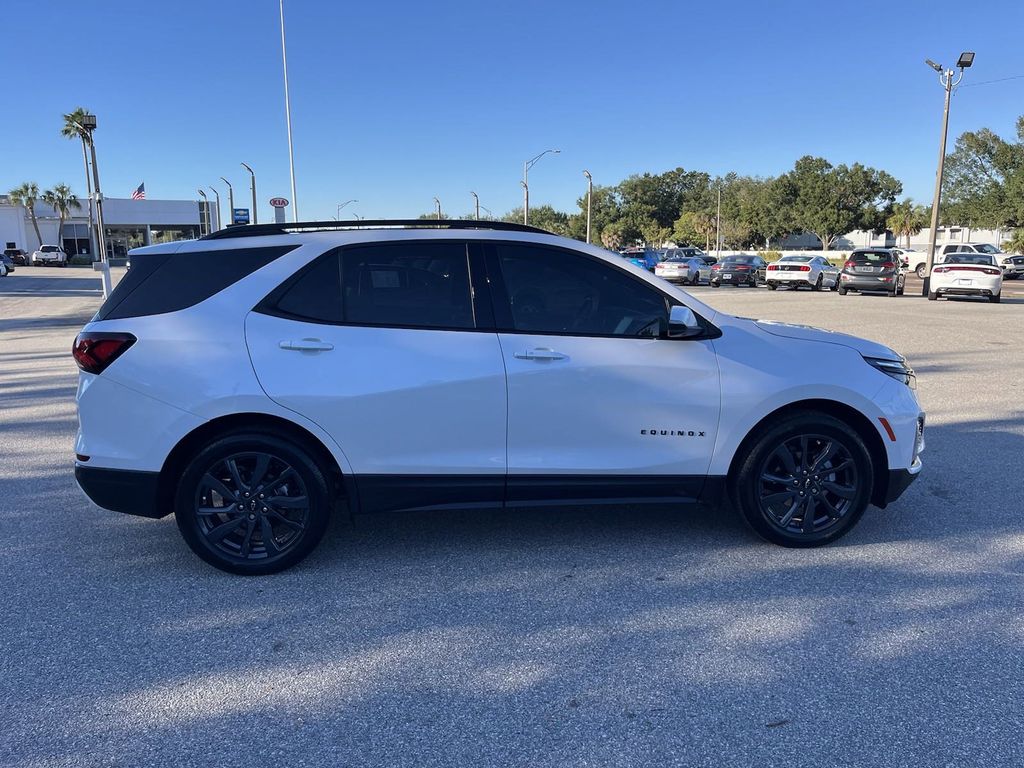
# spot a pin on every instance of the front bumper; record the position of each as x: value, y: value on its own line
x: 899, y: 481
x: 121, y: 490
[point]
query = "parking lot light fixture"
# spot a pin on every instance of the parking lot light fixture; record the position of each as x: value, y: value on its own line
x: 526, y: 181
x: 231, y: 200
x: 216, y: 194
x: 438, y: 204
x: 476, y: 200
x: 590, y: 194
x: 252, y: 186
x: 204, y: 214
x: 337, y: 214
x: 88, y: 124
x: 949, y: 79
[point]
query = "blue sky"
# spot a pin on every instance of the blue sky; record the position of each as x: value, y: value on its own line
x: 394, y: 102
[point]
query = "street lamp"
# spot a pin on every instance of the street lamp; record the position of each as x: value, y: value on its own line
x: 590, y: 194
x: 476, y: 200
x: 526, y: 181
x: 288, y: 119
x: 231, y: 200
x: 438, y: 204
x: 220, y: 221
x: 342, y: 205
x: 252, y: 186
x: 88, y: 125
x: 947, y: 81
x: 205, y: 208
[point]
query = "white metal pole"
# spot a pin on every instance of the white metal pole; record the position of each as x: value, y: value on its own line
x: 590, y: 193
x: 288, y: 118
x: 937, y: 199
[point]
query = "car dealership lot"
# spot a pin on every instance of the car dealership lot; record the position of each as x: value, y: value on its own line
x: 546, y: 637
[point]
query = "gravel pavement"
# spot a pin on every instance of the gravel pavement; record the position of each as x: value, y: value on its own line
x: 583, y: 637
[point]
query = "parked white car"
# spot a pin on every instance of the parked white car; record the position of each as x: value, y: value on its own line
x: 967, y: 274
x: 3, y: 269
x: 683, y: 269
x: 1011, y: 264
x: 419, y: 364
x: 49, y: 254
x: 795, y: 271
x: 908, y: 255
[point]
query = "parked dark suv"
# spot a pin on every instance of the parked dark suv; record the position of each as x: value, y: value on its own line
x: 873, y: 269
x: 16, y: 255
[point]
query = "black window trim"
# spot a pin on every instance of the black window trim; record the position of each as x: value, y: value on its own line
x: 480, y: 299
x: 503, y: 311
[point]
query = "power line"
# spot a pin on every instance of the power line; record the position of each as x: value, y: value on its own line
x: 989, y: 82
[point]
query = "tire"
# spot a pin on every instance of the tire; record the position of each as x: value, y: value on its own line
x: 817, y: 285
x: 893, y: 293
x: 842, y: 291
x: 773, y: 286
x: 713, y: 284
x: 919, y: 271
x: 295, y: 527
x: 933, y: 296
x: 835, y: 285
x: 995, y: 299
x: 819, y: 504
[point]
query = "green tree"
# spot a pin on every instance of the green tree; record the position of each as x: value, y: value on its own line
x: 694, y: 228
x: 1016, y: 242
x: 662, y: 197
x: 984, y: 181
x: 63, y: 201
x: 907, y: 219
x: 828, y: 200
x: 605, y: 209
x: 27, y: 195
x: 72, y: 129
x: 611, y: 236
x: 433, y: 215
x: 542, y: 217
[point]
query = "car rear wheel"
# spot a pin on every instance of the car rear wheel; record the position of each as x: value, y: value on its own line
x: 805, y: 481
x: 817, y: 284
x: 252, y: 503
x: 933, y: 295
x: 842, y: 291
x: 995, y: 299
x: 773, y: 286
x: 920, y: 271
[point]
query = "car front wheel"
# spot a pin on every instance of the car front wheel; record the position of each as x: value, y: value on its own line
x: 920, y: 271
x: 805, y: 481
x: 252, y: 503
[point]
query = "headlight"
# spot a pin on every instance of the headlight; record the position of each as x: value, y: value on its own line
x: 898, y: 369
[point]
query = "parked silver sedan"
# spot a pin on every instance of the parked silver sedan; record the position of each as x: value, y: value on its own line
x: 814, y: 272
x: 683, y: 269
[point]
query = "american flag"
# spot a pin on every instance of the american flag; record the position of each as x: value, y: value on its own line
x: 140, y: 193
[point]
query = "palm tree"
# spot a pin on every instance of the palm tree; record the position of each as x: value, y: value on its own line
x: 73, y: 129
x: 62, y: 200
x: 27, y: 195
x: 907, y: 219
x: 1016, y: 242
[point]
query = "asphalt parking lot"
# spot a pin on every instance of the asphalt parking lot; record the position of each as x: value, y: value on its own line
x: 584, y: 637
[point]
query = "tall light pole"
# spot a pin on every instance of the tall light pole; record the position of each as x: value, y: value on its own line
x: 718, y: 225
x: 438, y: 204
x: 216, y: 194
x: 342, y: 205
x: 231, y: 201
x: 88, y: 125
x: 947, y: 82
x: 252, y: 186
x: 590, y: 194
x: 204, y: 213
x: 526, y: 181
x: 476, y: 201
x: 288, y: 118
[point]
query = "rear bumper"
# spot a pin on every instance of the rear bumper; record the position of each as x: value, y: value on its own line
x: 866, y: 283
x: 965, y: 291
x: 121, y: 490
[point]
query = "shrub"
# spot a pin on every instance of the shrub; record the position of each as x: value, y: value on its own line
x: 80, y: 260
x: 770, y: 256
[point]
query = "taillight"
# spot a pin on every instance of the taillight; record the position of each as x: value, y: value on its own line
x: 715, y: 267
x: 95, y: 351
x: 772, y: 267
x: 940, y: 270
x: 805, y: 269
x: 992, y: 271
x: 888, y: 265
x: 849, y: 265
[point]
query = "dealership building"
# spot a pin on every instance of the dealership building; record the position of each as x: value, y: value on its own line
x: 127, y: 223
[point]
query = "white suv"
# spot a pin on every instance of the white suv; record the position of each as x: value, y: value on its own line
x: 251, y: 381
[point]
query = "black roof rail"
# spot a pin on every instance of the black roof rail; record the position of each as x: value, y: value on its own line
x: 262, y: 230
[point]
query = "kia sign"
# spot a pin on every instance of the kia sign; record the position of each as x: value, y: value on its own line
x: 278, y: 202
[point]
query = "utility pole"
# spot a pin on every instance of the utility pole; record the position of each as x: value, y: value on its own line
x: 220, y: 220
x: 526, y: 181
x: 288, y: 118
x: 438, y: 203
x: 476, y: 199
x: 947, y: 81
x: 590, y: 194
x: 231, y: 201
x: 204, y: 213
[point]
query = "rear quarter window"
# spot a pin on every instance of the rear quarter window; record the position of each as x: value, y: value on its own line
x: 169, y: 282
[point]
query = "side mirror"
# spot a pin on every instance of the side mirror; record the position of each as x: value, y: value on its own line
x: 682, y: 323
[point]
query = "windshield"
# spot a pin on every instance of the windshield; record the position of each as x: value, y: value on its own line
x: 739, y: 260
x: 986, y: 248
x: 800, y: 259
x: 970, y: 258
x: 676, y: 260
x: 871, y: 257
x: 49, y: 249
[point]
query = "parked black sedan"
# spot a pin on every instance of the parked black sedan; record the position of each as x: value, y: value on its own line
x: 739, y: 270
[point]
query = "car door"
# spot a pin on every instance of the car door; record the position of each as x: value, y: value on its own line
x: 383, y: 346
x: 601, y: 404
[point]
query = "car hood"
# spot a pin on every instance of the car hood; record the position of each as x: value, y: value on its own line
x: 809, y: 333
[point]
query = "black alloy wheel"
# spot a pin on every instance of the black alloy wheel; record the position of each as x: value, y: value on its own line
x: 806, y: 482
x: 252, y: 504
x: 817, y: 284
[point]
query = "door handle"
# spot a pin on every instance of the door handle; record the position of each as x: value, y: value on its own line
x: 307, y: 345
x: 540, y: 353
